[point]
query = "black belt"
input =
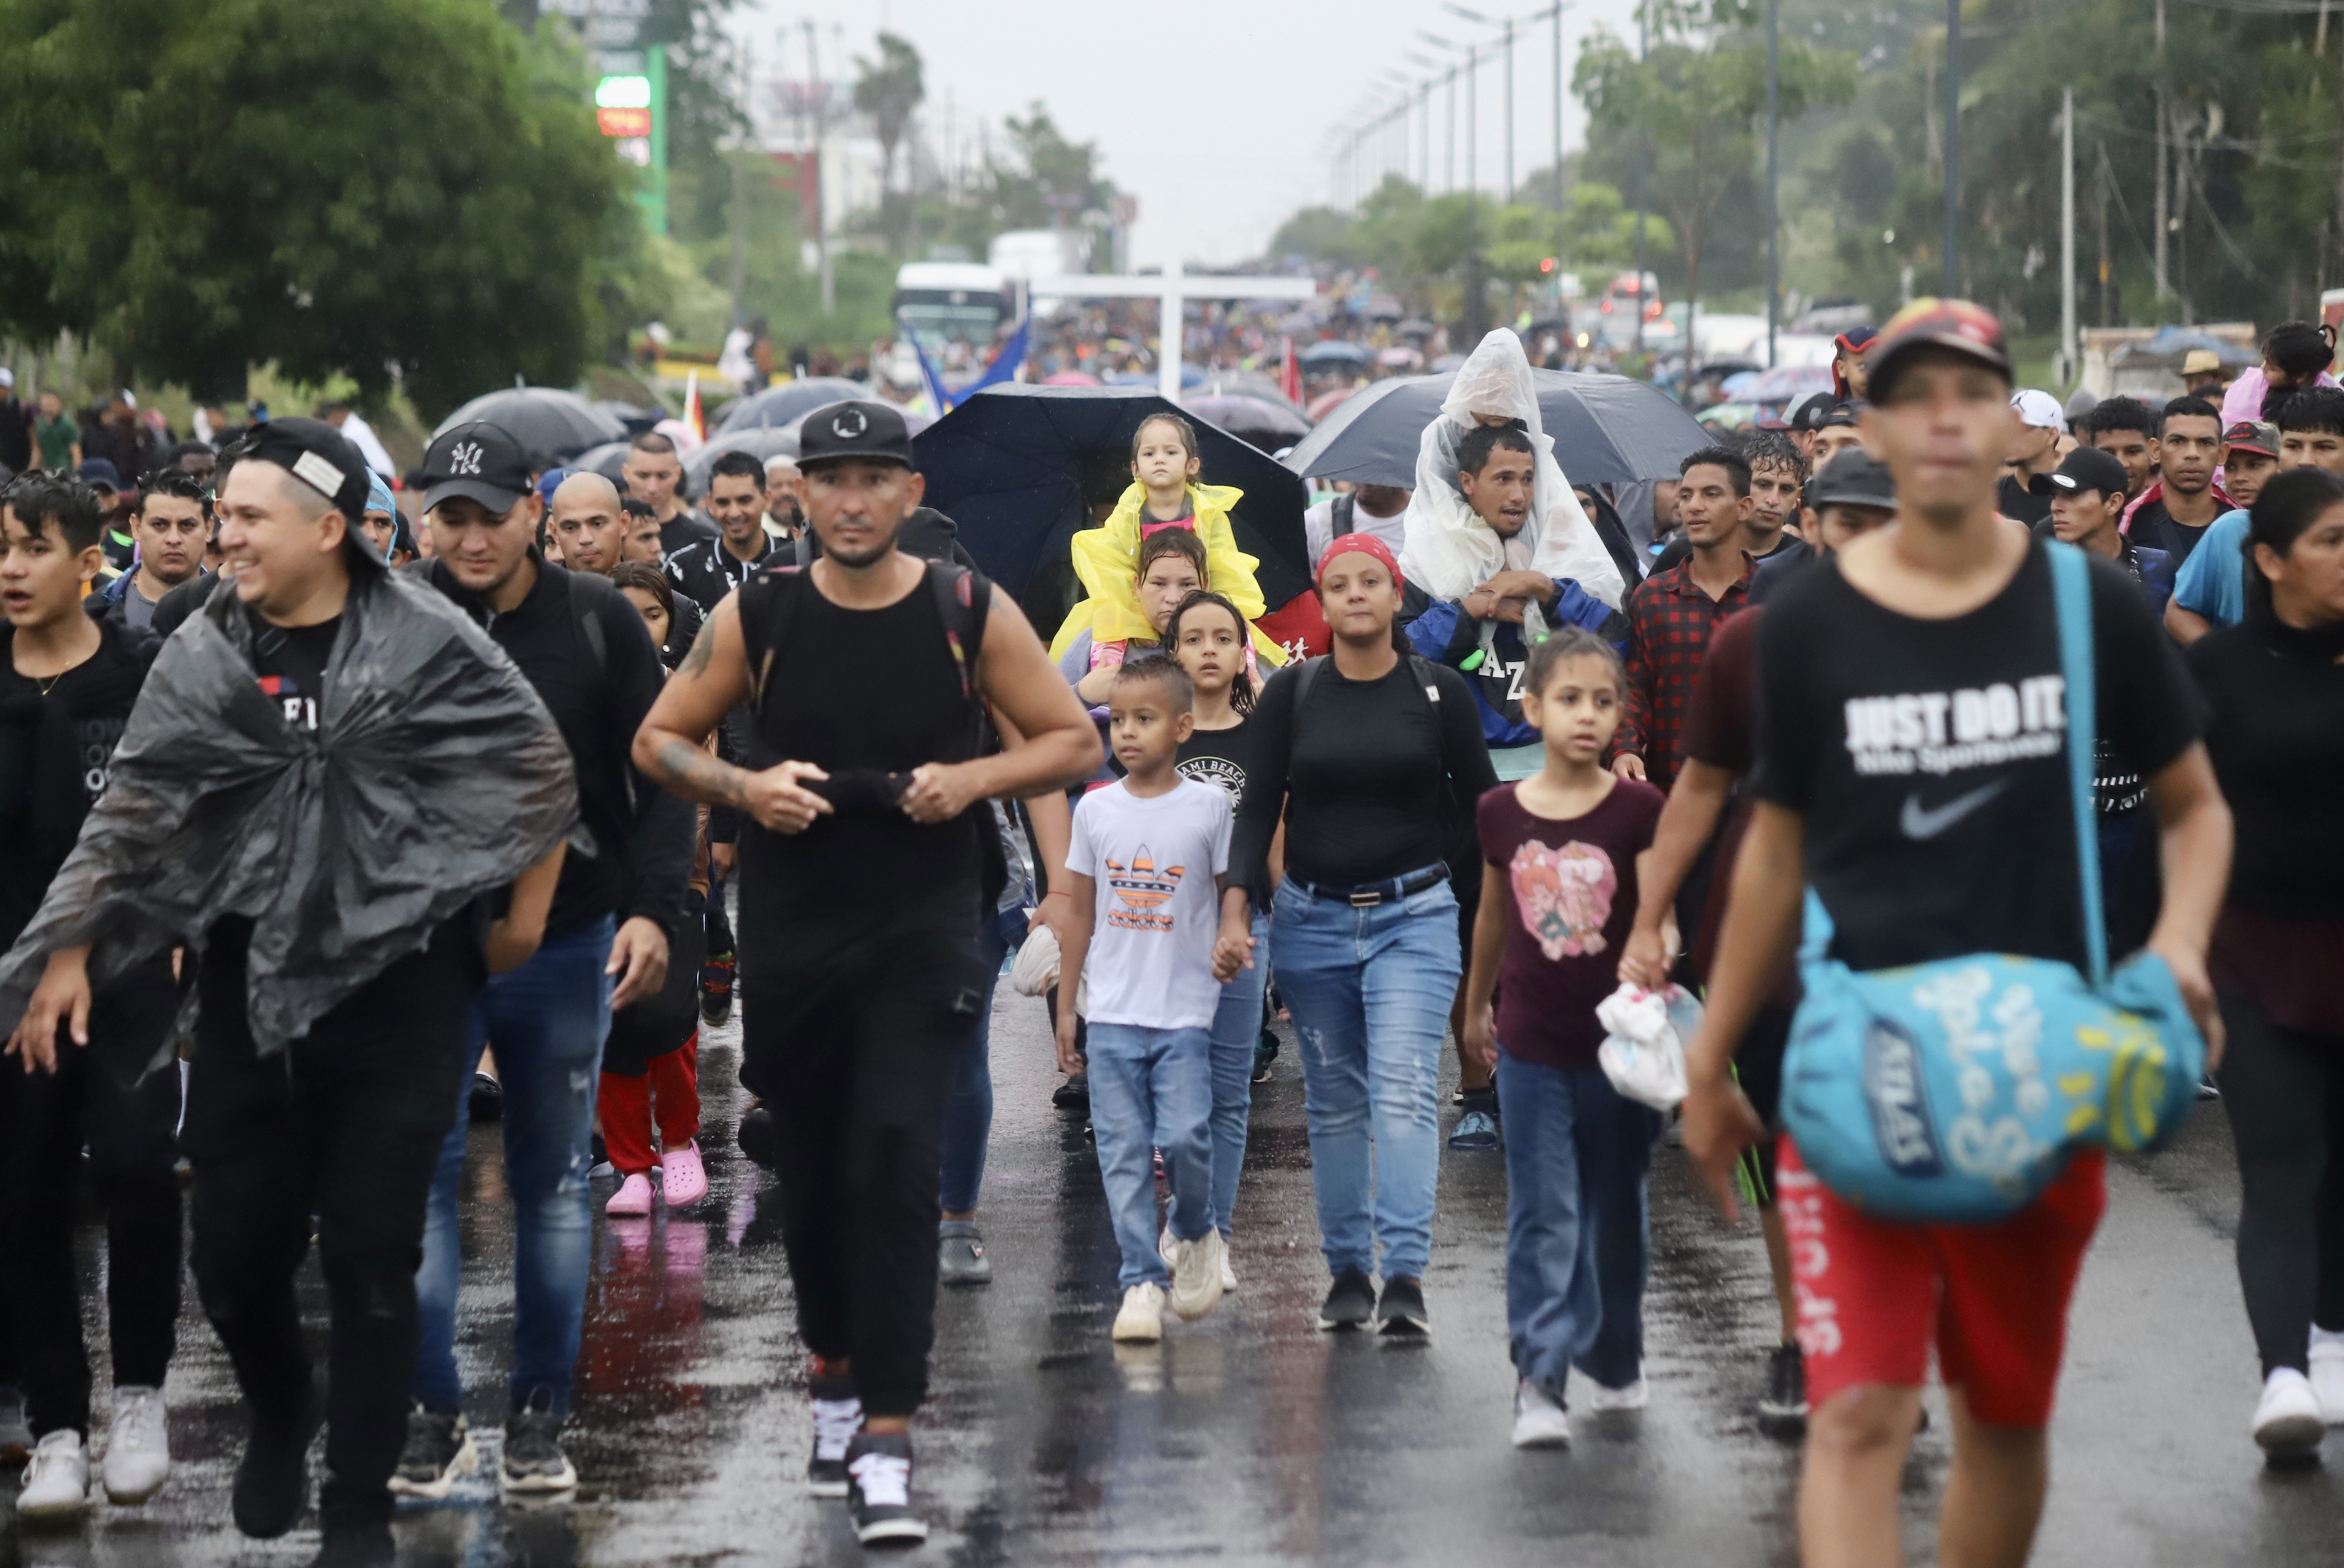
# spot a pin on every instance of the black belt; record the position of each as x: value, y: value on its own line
x: 1368, y: 895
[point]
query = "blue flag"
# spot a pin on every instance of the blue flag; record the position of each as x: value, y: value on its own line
x: 1006, y: 362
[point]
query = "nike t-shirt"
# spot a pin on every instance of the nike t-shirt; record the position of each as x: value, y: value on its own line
x: 1929, y: 756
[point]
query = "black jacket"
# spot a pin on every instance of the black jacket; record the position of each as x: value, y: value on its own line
x: 705, y: 571
x: 644, y: 835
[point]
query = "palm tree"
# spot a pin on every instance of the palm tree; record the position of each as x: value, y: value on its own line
x: 888, y: 91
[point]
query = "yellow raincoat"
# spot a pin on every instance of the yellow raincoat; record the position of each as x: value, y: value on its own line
x: 1106, y: 559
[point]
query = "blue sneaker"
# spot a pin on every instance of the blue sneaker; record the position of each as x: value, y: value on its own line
x: 1477, y: 1133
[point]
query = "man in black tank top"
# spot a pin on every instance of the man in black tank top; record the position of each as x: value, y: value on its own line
x: 867, y: 859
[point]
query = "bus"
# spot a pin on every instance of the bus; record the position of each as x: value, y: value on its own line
x: 955, y: 308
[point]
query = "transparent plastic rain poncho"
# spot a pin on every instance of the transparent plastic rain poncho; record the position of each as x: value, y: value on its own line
x: 1449, y: 550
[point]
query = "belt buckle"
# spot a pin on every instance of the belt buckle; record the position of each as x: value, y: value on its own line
x: 1367, y: 898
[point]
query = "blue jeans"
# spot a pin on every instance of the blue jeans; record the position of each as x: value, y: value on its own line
x: 1152, y: 1088
x: 1369, y: 990
x: 1236, y: 1030
x: 968, y: 1110
x: 1578, y: 1244
x: 549, y: 1018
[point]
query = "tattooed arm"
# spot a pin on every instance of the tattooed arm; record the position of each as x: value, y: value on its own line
x: 714, y: 679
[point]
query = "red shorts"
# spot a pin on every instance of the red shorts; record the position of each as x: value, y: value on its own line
x: 1872, y: 1294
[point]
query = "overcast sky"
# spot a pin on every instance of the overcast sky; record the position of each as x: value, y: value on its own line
x: 1217, y: 114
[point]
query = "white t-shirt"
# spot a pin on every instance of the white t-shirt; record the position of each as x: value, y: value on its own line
x: 1158, y: 910
x: 1318, y: 526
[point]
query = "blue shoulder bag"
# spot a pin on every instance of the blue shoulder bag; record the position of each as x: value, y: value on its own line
x: 1953, y: 1091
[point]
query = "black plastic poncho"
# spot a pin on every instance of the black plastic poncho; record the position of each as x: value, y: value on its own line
x: 435, y: 775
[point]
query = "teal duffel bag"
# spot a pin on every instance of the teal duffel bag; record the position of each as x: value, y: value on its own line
x: 1953, y: 1091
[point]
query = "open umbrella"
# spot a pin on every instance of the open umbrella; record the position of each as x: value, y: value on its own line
x: 1328, y: 352
x: 1326, y: 402
x: 779, y: 405
x: 1606, y: 429
x: 608, y: 459
x: 1254, y: 420
x: 541, y: 418
x: 1247, y: 384
x: 763, y: 441
x: 1019, y: 468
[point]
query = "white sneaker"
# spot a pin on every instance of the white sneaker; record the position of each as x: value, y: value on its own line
x: 2288, y: 1420
x: 2328, y: 1373
x: 56, y: 1480
x: 1196, y: 1274
x: 1141, y: 1321
x: 1228, y: 1274
x: 1635, y: 1396
x: 1163, y: 1245
x: 138, y: 1446
x: 1538, y: 1420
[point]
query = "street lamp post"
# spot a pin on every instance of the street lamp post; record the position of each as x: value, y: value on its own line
x: 1773, y: 186
x: 1953, y: 135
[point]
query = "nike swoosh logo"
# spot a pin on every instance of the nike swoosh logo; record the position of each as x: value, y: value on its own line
x: 1920, y: 823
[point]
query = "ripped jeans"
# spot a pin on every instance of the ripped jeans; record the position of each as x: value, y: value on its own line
x: 1369, y: 990
x: 548, y: 1021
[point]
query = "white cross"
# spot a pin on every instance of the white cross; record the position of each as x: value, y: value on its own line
x: 1172, y: 291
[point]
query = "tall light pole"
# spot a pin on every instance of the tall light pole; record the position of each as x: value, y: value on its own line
x: 1953, y: 134
x: 1644, y: 156
x: 1557, y: 15
x: 1507, y: 26
x: 2067, y: 359
x: 1773, y: 206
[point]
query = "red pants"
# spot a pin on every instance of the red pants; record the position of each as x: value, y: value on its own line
x: 674, y: 1080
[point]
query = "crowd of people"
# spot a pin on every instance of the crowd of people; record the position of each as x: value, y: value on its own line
x: 326, y: 829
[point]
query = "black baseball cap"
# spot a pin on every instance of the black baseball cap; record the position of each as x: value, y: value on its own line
x: 477, y: 461
x: 1854, y: 479
x: 2085, y: 468
x: 867, y: 431
x: 315, y: 454
x: 1814, y: 411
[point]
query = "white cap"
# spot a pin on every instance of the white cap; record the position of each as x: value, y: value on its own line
x: 2039, y: 409
x: 7, y: 376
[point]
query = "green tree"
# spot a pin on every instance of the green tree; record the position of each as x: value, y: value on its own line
x: 375, y: 188
x: 888, y: 90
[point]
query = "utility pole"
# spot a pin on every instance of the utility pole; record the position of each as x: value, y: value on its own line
x: 1953, y: 133
x: 2067, y: 359
x: 1644, y: 156
x: 1472, y: 122
x: 820, y: 95
x: 1558, y: 105
x: 1448, y: 146
x: 1507, y: 194
x: 1774, y: 184
x: 740, y: 200
x: 2163, y: 219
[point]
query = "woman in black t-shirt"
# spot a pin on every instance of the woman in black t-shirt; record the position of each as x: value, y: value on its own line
x: 2276, y: 686
x: 1364, y: 753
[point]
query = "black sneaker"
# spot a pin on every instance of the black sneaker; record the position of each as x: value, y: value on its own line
x: 879, y: 1490
x: 534, y: 1460
x: 1350, y: 1302
x: 440, y: 1448
x: 837, y: 1417
x: 488, y: 1101
x: 272, y: 1479
x: 1401, y: 1314
x: 355, y: 1542
x: 716, y: 989
x: 755, y: 1136
x: 1782, y: 1410
x: 1075, y: 1094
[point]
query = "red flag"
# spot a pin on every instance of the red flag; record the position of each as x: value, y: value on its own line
x: 1290, y: 372
x: 692, y: 412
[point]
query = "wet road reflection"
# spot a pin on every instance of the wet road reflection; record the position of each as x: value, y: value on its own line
x: 1250, y: 1437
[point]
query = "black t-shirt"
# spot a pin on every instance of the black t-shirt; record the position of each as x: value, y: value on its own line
x: 1365, y: 771
x: 2154, y: 525
x: 291, y: 661
x: 2275, y: 735
x: 2012, y: 499
x: 56, y: 743
x: 1220, y: 757
x: 1929, y: 756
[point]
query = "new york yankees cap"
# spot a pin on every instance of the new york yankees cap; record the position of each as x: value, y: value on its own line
x: 315, y: 454
x: 478, y: 462
x: 870, y: 432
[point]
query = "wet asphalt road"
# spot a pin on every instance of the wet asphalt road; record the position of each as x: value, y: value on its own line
x: 1250, y: 1438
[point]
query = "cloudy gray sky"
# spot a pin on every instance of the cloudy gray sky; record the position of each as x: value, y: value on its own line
x: 1217, y: 114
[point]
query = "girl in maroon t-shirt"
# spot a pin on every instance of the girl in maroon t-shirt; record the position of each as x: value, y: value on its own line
x: 1558, y: 897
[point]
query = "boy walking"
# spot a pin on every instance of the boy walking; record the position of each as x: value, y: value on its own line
x: 1159, y: 845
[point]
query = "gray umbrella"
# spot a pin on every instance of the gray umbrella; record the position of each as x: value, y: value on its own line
x: 1606, y: 429
x: 541, y: 418
x: 788, y: 401
x: 759, y: 441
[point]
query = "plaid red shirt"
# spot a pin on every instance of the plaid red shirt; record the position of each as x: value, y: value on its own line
x: 1670, y: 623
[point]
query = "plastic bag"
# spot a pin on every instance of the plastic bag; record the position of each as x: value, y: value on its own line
x: 1644, y: 1033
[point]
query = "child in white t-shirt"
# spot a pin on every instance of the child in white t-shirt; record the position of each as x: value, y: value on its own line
x: 1147, y: 934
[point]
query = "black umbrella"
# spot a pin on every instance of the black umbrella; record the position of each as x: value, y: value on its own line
x: 760, y: 442
x: 779, y: 405
x: 1019, y: 468
x: 1254, y: 420
x: 1244, y: 384
x: 1333, y: 351
x: 1606, y: 429
x: 608, y: 459
x: 541, y: 418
